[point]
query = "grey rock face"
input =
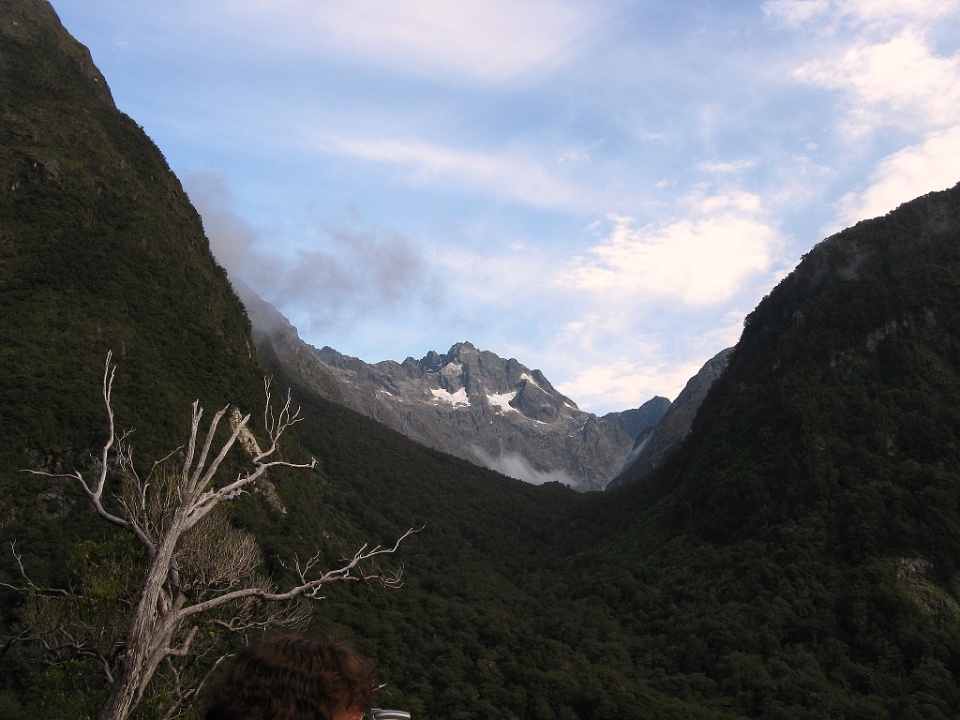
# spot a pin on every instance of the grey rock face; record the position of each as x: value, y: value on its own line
x: 466, y: 402
x: 637, y: 421
x: 488, y: 410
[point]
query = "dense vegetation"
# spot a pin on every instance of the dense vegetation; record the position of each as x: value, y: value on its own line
x: 797, y: 558
x: 100, y: 250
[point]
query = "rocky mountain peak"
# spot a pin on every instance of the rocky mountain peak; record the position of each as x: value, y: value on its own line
x: 486, y: 379
x: 468, y: 402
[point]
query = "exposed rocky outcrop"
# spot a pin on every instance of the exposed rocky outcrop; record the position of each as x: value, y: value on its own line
x: 466, y: 402
x: 634, y: 422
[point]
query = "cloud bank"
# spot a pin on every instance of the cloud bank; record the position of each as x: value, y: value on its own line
x: 701, y: 259
x: 519, y: 468
x: 357, y: 271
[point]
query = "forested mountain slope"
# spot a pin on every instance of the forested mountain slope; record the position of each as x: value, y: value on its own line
x: 801, y: 553
x: 99, y: 249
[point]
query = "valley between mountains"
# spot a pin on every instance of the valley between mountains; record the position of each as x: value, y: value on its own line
x: 783, y: 543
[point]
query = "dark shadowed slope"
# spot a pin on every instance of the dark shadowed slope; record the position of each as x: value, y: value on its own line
x: 800, y: 555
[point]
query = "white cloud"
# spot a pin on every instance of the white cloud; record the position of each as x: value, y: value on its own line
x: 517, y: 178
x: 896, y: 11
x: 519, y: 468
x: 625, y: 384
x: 629, y: 364
x: 350, y: 270
x: 482, y: 40
x: 894, y: 66
x: 900, y: 81
x: 906, y: 174
x: 703, y: 259
x: 727, y: 168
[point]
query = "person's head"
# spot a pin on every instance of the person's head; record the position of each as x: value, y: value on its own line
x: 288, y: 677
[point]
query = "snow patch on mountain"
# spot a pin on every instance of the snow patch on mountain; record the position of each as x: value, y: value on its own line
x: 502, y: 401
x: 457, y: 399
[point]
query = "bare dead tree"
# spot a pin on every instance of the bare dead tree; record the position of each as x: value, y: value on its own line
x: 199, y: 568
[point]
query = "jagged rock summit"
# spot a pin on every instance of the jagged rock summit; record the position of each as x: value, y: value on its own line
x: 479, y: 406
x: 467, y: 402
x: 464, y: 378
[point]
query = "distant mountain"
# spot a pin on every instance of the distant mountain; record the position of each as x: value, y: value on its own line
x: 653, y: 445
x: 639, y: 420
x: 467, y: 402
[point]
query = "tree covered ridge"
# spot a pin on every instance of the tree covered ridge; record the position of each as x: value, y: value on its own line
x: 818, y: 498
x: 847, y: 372
x: 100, y: 249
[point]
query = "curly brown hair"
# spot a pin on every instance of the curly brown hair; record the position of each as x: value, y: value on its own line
x: 289, y: 677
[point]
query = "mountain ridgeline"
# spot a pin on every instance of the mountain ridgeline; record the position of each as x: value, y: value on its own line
x: 466, y: 402
x: 655, y: 442
x: 817, y: 498
x: 100, y: 249
x: 796, y: 557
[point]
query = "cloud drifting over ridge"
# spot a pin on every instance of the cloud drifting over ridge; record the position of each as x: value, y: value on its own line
x: 519, y: 468
x: 356, y: 271
x: 905, y: 175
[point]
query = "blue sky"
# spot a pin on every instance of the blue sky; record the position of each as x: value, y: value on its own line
x: 602, y: 190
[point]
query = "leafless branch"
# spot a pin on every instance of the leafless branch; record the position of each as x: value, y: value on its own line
x: 311, y: 588
x: 26, y: 578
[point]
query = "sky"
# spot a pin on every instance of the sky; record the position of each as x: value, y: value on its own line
x: 602, y: 190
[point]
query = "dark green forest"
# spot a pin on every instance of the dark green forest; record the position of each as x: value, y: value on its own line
x: 797, y: 557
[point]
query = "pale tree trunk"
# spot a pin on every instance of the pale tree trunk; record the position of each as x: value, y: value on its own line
x: 151, y: 631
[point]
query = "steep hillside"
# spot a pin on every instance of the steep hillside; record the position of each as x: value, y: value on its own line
x: 663, y: 437
x: 100, y: 250
x: 844, y: 390
x: 467, y: 402
x: 804, y: 545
